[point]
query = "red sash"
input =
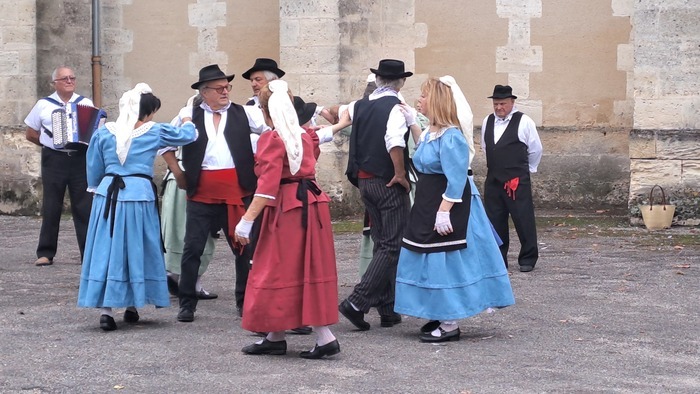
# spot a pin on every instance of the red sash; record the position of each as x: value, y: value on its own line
x: 221, y: 187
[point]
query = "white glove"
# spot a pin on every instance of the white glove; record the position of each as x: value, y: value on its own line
x: 185, y: 112
x: 442, y: 223
x: 409, y: 113
x: 243, y: 228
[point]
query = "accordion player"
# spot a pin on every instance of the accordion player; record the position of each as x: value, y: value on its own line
x: 74, y: 124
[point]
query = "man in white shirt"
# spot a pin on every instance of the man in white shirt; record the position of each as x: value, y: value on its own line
x: 513, y: 151
x: 220, y: 179
x: 60, y: 168
x: 378, y: 164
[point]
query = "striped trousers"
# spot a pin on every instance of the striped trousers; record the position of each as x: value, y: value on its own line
x: 388, y: 209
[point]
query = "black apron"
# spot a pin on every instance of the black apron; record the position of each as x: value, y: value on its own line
x: 420, y: 235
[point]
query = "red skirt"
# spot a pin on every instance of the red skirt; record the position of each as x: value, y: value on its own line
x: 293, y: 281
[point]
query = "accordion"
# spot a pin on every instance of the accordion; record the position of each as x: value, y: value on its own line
x: 74, y: 124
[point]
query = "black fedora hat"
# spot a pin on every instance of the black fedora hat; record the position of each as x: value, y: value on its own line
x: 211, y: 73
x: 502, y: 92
x: 305, y: 111
x: 264, y: 64
x: 391, y: 69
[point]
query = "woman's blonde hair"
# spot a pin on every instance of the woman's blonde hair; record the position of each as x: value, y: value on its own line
x: 441, y: 107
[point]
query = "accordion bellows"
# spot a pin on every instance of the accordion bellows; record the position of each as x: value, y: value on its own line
x: 74, y: 125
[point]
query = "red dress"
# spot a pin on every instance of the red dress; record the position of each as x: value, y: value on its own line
x: 293, y: 280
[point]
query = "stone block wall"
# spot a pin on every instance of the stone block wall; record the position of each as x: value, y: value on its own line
x: 19, y: 159
x: 665, y: 142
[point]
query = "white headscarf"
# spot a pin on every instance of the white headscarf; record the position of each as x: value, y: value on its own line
x: 129, y: 106
x: 286, y: 122
x: 464, y: 113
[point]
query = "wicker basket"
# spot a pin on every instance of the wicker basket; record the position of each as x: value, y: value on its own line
x: 659, y: 216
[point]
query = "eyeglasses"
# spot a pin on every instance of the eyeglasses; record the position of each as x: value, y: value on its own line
x: 65, y: 79
x: 220, y: 89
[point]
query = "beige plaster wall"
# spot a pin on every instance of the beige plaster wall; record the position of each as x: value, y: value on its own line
x: 580, y: 81
x: 169, y: 48
x: 462, y: 43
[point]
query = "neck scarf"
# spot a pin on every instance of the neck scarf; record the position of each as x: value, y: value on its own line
x: 207, y: 108
x: 286, y: 122
x: 129, y: 105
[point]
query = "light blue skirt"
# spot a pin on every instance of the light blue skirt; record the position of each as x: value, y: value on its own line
x: 457, y: 284
x: 126, y: 269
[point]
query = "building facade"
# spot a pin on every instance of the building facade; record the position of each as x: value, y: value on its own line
x: 613, y: 85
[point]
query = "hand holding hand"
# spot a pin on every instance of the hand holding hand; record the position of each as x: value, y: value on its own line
x: 185, y: 114
x: 242, y: 232
x: 443, y: 225
x: 409, y: 113
x: 180, y: 180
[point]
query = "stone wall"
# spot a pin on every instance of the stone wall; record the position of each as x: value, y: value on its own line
x: 587, y: 73
x: 665, y: 142
x: 18, y: 80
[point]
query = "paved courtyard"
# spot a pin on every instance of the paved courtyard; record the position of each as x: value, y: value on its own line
x: 609, y: 308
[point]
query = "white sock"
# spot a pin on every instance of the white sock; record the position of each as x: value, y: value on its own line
x: 324, y: 335
x: 446, y: 326
x: 275, y: 336
x: 107, y: 311
x: 353, y: 306
x: 198, y: 285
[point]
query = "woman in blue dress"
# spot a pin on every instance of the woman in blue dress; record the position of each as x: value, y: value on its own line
x: 450, y: 267
x: 123, y: 265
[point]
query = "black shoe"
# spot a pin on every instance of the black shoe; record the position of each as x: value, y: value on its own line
x: 266, y: 347
x: 205, y: 295
x: 430, y: 326
x: 185, y: 315
x: 303, y: 330
x: 526, y: 268
x: 357, y: 318
x: 444, y: 336
x: 173, y: 287
x: 131, y: 316
x: 240, y: 312
x: 107, y: 323
x: 390, y: 320
x: 326, y: 350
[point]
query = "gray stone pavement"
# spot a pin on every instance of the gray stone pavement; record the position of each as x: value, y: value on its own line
x: 609, y: 308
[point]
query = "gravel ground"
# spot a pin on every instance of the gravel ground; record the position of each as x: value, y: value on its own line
x: 609, y: 308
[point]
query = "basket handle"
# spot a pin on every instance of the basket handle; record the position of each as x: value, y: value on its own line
x: 651, y: 197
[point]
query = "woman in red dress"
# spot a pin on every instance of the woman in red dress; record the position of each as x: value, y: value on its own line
x: 293, y: 280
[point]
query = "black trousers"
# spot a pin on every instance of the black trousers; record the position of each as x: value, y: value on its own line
x: 388, y: 209
x: 59, y: 171
x: 202, y: 220
x: 499, y: 206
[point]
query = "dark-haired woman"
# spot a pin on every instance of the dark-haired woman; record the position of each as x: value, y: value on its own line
x: 123, y: 265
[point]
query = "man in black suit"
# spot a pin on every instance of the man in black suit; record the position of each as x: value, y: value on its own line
x: 513, y: 151
x: 377, y: 165
x: 220, y: 179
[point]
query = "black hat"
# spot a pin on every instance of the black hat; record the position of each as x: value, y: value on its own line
x: 305, y: 111
x: 264, y: 64
x: 391, y: 69
x: 501, y: 92
x: 211, y: 73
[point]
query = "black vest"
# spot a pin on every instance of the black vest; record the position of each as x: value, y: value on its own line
x: 237, y: 134
x: 508, y: 158
x: 367, y: 147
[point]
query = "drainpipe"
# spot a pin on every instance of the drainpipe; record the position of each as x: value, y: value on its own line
x: 96, y: 58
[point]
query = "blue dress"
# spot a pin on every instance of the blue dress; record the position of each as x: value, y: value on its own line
x: 461, y: 283
x: 123, y: 264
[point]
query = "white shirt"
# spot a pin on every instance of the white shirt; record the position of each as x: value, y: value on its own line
x: 396, y: 126
x: 40, y: 116
x: 217, y: 156
x: 527, y: 134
